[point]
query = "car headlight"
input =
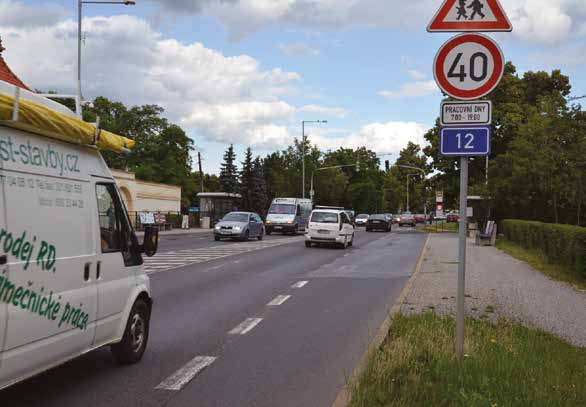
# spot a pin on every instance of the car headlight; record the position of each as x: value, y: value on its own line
x: 237, y: 228
x: 218, y: 227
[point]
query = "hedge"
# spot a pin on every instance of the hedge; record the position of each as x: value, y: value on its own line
x: 561, y: 244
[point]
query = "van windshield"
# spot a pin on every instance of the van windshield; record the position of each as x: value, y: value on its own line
x: 282, y: 209
x: 324, y: 217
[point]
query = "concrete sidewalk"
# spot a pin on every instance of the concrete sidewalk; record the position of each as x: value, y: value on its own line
x: 177, y: 232
x: 497, y: 285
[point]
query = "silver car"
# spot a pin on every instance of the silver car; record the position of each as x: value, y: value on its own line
x: 239, y: 225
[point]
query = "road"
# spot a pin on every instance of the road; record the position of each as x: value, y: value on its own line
x: 266, y: 323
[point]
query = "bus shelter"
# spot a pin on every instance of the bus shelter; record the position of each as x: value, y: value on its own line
x: 214, y: 205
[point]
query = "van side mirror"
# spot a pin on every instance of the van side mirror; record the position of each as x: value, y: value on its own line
x: 151, y: 241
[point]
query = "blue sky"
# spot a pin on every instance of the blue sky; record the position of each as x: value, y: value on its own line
x: 248, y: 71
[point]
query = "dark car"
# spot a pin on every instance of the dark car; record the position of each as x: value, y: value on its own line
x: 420, y: 218
x: 239, y: 225
x: 379, y: 222
x: 452, y: 217
x: 406, y: 218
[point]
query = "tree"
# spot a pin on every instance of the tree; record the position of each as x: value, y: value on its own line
x: 247, y: 180
x: 229, y: 172
x: 260, y: 200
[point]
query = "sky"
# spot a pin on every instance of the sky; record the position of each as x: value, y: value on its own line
x: 249, y: 71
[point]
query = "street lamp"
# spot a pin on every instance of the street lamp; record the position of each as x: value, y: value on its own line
x: 80, y: 4
x: 304, y: 141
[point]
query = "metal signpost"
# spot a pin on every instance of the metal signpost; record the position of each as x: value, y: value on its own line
x: 467, y: 67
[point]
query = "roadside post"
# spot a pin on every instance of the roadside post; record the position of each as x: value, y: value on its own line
x: 467, y: 68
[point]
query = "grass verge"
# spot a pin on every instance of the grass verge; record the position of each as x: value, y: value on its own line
x: 506, y: 365
x: 539, y: 262
x: 440, y: 228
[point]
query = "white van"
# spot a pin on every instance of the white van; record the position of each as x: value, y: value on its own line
x: 70, y: 264
x: 330, y: 226
x: 288, y: 215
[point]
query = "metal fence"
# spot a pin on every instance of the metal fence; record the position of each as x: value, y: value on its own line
x: 165, y: 220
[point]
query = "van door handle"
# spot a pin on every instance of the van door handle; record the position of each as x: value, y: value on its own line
x: 86, y: 271
x: 98, y: 270
x: 3, y: 260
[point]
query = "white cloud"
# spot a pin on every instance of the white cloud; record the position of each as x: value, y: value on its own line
x: 416, y: 75
x: 219, y: 97
x: 382, y: 138
x: 17, y: 14
x: 296, y: 49
x: 338, y: 112
x: 411, y: 90
x: 545, y: 21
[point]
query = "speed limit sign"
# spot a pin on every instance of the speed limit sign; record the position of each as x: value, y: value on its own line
x: 469, y: 66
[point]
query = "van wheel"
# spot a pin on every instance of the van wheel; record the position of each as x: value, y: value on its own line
x: 217, y: 238
x: 136, y: 335
x: 308, y: 244
x: 269, y: 232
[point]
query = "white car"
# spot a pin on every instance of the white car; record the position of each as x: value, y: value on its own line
x: 361, y: 220
x: 71, y: 275
x: 330, y: 227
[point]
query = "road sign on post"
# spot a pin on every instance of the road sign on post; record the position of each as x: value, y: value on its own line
x: 465, y: 141
x: 469, y: 66
x: 466, y: 113
x: 470, y: 15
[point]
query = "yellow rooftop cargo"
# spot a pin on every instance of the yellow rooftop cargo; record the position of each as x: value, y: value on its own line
x: 19, y: 113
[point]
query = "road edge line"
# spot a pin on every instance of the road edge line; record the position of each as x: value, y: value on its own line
x: 343, y: 398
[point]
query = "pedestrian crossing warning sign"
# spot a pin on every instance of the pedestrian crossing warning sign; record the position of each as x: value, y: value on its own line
x: 470, y: 16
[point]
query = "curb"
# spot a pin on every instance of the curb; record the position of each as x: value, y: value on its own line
x: 343, y: 397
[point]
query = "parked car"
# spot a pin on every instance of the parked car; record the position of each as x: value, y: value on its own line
x: 419, y: 218
x: 328, y: 226
x: 406, y: 219
x: 452, y: 217
x: 84, y: 287
x: 361, y: 219
x: 379, y: 222
x: 239, y: 225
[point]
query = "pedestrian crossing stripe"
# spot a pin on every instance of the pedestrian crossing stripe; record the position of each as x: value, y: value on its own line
x: 182, y: 258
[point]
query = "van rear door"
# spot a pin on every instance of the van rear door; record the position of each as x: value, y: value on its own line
x: 51, y: 293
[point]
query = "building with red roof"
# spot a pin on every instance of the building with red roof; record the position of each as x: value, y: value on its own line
x: 6, y: 73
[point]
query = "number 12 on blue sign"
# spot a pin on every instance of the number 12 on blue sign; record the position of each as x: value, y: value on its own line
x: 465, y: 141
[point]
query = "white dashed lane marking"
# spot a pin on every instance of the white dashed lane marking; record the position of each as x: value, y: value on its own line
x: 174, y: 260
x: 245, y: 327
x: 180, y: 378
x: 299, y: 284
x: 278, y: 300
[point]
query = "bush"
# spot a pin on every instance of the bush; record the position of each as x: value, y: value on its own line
x: 560, y: 244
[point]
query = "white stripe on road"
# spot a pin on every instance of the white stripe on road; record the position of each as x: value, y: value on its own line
x: 184, y: 375
x: 299, y: 284
x: 278, y: 300
x: 245, y: 327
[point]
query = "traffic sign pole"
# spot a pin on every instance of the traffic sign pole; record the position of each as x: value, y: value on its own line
x: 462, y: 257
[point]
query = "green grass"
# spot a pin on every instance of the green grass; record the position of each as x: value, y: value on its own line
x: 539, y: 262
x: 440, y: 228
x: 506, y: 365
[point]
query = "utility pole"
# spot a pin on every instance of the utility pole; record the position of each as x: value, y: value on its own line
x: 200, y: 170
x: 304, y: 142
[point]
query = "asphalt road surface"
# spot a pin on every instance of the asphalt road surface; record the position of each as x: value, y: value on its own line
x: 268, y: 323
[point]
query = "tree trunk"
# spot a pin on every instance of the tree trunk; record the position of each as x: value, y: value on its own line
x: 555, y: 208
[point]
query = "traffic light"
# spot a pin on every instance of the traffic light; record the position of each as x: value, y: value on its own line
x: 387, y: 165
x: 358, y: 165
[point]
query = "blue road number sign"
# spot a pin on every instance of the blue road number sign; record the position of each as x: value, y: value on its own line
x: 465, y: 141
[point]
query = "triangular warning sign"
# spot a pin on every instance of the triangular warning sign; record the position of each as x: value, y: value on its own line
x: 470, y: 15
